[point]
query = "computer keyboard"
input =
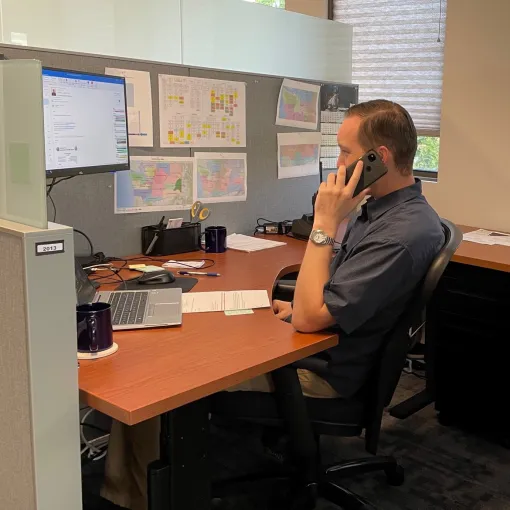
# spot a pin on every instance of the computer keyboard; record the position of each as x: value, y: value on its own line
x: 128, y: 307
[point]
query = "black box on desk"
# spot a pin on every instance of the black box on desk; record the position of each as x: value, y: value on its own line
x: 171, y: 241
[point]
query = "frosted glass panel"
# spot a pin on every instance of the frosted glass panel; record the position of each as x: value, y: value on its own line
x: 147, y: 30
x: 22, y: 164
x: 244, y: 36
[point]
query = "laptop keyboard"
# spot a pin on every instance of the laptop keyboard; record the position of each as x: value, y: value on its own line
x: 128, y: 307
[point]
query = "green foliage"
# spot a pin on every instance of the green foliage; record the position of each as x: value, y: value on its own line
x: 427, y: 155
x: 272, y: 3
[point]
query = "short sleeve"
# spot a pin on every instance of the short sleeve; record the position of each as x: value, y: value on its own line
x: 377, y: 273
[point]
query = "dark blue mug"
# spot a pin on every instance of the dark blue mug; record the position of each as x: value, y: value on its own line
x: 215, y: 239
x: 94, y: 327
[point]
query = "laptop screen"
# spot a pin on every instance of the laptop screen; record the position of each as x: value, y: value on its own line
x: 85, y: 290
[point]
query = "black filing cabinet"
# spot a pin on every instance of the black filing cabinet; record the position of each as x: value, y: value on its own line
x: 471, y: 328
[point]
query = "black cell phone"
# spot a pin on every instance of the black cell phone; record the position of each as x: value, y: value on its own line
x: 373, y: 169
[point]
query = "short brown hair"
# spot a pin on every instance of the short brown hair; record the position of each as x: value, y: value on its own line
x: 386, y: 123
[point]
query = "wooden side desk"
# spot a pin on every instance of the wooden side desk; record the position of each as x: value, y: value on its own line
x: 475, y: 270
x: 169, y: 371
x: 482, y: 255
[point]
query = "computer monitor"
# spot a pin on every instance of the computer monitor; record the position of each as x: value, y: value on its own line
x: 85, y: 123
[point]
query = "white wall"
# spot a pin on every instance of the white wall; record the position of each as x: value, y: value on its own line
x: 474, y: 164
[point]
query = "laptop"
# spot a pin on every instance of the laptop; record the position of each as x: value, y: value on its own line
x: 133, y: 309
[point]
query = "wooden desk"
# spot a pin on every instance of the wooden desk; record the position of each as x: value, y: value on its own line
x: 482, y: 255
x: 456, y: 304
x: 157, y: 370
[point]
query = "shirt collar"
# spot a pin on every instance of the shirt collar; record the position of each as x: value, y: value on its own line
x: 374, y: 209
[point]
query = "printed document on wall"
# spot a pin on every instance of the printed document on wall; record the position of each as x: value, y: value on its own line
x: 198, y: 112
x: 154, y: 184
x: 139, y: 104
x: 298, y: 154
x: 298, y: 105
x: 220, y: 177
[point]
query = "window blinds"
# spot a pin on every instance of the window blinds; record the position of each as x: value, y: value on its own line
x: 396, y: 54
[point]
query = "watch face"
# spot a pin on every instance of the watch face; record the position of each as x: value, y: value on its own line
x: 319, y: 237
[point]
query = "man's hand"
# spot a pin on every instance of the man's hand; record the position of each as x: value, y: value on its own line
x: 282, y: 309
x: 335, y: 199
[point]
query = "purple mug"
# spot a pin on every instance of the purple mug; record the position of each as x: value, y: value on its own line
x: 94, y: 327
x: 215, y: 239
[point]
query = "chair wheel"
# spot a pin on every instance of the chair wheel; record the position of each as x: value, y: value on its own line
x: 395, y: 476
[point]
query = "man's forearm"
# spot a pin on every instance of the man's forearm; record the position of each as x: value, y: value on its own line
x: 309, y: 311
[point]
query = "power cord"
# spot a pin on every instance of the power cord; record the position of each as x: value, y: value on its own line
x: 97, y: 447
x: 49, y: 189
x: 86, y: 237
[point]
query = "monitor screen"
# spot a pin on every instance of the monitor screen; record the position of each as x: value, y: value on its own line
x: 85, y: 123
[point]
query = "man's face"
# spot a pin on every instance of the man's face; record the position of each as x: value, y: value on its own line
x: 350, y: 149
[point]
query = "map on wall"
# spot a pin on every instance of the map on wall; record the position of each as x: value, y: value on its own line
x: 154, y: 184
x: 298, y: 105
x: 220, y: 177
x: 298, y: 154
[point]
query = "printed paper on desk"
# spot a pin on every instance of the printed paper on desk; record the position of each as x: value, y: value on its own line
x: 194, y: 302
x: 482, y: 236
x: 248, y: 243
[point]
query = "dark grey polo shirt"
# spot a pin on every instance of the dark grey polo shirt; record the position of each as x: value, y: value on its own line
x: 386, y: 251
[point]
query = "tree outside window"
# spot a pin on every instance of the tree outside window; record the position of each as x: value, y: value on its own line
x: 280, y: 4
x: 427, y: 155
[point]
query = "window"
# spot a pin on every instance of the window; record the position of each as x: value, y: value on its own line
x: 426, y: 161
x: 280, y: 4
x: 397, y: 54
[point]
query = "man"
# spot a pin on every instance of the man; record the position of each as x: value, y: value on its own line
x: 360, y: 293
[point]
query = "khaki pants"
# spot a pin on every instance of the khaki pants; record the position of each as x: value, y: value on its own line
x: 132, y: 449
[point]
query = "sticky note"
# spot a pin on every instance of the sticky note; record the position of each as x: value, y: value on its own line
x: 149, y: 269
x: 136, y: 266
x: 238, y: 312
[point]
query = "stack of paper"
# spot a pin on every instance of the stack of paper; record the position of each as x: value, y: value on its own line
x: 482, y: 236
x: 194, y: 302
x: 249, y: 244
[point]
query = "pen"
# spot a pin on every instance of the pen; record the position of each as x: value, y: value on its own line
x: 159, y: 229
x: 187, y: 273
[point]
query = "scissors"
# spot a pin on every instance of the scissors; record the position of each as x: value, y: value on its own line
x: 199, y: 212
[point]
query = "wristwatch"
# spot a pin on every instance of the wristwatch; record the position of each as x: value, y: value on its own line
x: 321, y: 238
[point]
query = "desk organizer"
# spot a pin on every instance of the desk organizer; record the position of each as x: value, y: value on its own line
x: 173, y: 240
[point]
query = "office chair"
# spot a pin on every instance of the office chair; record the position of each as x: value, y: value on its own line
x: 306, y: 419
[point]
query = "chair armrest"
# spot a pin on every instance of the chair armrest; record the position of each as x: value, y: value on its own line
x: 316, y: 365
x: 285, y: 288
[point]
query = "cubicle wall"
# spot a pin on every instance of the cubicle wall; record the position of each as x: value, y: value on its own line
x: 87, y: 202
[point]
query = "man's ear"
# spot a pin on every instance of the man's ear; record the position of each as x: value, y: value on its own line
x: 384, y: 154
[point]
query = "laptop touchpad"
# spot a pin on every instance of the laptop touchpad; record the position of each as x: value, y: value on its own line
x: 165, y: 309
